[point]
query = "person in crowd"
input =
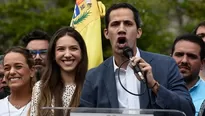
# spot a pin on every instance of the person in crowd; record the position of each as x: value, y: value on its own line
x: 202, y: 109
x: 19, y: 75
x: 4, y: 89
x: 37, y: 43
x: 103, y: 84
x: 188, y: 50
x: 62, y: 81
x: 200, y: 31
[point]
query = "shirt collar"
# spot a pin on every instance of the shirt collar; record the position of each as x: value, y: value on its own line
x: 198, y: 82
x: 114, y: 64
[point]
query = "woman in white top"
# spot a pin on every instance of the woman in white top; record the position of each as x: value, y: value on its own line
x: 62, y: 81
x: 19, y: 71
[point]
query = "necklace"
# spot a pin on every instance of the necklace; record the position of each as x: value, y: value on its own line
x: 17, y: 106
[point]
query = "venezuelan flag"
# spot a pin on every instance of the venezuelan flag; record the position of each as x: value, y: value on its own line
x: 86, y: 20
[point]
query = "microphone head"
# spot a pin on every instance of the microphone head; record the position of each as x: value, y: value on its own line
x: 127, y: 52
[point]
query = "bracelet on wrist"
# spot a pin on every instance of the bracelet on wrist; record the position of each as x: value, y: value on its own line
x: 154, y: 85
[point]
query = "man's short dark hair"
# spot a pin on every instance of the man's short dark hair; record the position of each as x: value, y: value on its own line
x: 35, y: 35
x: 122, y: 5
x: 191, y: 38
x: 199, y: 25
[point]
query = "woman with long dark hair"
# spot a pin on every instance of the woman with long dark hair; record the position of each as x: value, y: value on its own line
x: 62, y: 81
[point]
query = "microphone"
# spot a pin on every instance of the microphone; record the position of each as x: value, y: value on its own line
x: 128, y: 52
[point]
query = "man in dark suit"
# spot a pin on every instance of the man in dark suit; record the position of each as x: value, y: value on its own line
x: 102, y: 87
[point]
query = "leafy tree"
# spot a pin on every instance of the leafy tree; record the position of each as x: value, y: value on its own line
x: 162, y: 20
x: 19, y: 17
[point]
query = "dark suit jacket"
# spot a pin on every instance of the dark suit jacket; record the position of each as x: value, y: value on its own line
x: 100, y: 90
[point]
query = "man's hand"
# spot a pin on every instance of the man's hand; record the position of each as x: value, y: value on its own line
x: 146, y: 69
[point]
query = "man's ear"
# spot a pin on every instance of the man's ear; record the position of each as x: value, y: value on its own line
x: 202, y: 64
x: 139, y: 32
x: 106, y: 33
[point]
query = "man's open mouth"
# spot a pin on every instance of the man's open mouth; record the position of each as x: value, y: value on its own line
x: 121, y: 42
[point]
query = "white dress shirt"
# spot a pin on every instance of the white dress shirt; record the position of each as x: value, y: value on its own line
x: 131, y: 83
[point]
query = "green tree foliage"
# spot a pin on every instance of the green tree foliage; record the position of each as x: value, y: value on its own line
x: 18, y: 17
x: 162, y: 20
x: 191, y: 13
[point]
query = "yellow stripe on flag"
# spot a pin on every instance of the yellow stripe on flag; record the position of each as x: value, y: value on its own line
x: 86, y: 20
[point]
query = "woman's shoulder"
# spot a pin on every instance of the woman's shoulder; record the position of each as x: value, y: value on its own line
x: 37, y: 84
x: 37, y: 87
x: 4, y: 106
x: 4, y: 102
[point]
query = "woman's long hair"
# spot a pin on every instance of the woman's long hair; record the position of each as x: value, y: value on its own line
x: 51, y: 81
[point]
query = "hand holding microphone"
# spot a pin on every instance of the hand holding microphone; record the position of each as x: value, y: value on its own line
x: 128, y: 52
x: 140, y: 66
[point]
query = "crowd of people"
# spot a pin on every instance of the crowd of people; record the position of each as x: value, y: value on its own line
x: 52, y: 71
